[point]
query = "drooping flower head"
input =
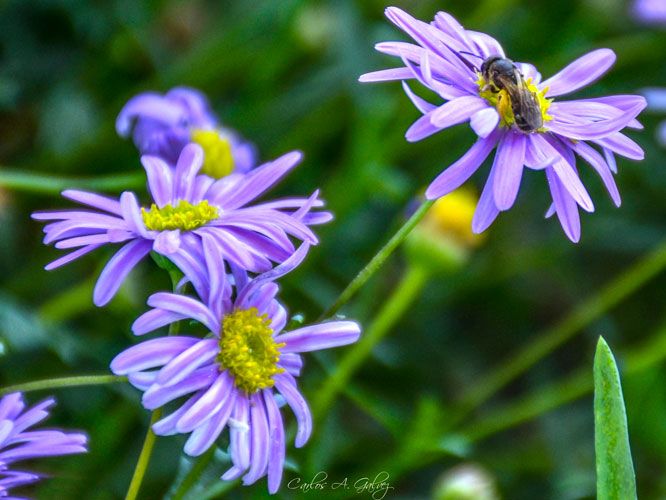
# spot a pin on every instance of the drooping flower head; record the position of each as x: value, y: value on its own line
x: 650, y: 11
x: 185, y: 207
x: 448, y: 60
x: 18, y: 442
x: 162, y: 125
x: 230, y: 378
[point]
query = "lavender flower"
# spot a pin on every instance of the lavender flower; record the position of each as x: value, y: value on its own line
x: 232, y: 377
x: 163, y: 125
x: 18, y: 443
x: 446, y: 60
x: 185, y: 207
x: 650, y: 11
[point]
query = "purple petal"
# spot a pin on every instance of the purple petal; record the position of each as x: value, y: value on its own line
x: 322, y: 336
x: 149, y: 354
x: 580, y: 73
x: 93, y: 200
x: 387, y: 75
x: 211, y: 402
x: 70, y: 257
x: 189, y: 163
x: 455, y: 175
x: 589, y: 154
x: 508, y: 165
x: 486, y: 210
x: 286, y: 384
x: 205, y: 435
x: 565, y: 206
x: 457, y: 111
x: 484, y: 122
x: 158, y: 396
x: 258, y: 181
x: 160, y: 180
x: 259, y: 439
x: 421, y: 104
x: 154, y: 319
x: 276, y: 447
x: 187, y: 306
x: 117, y: 269
x: 167, y: 242
x: 188, y: 361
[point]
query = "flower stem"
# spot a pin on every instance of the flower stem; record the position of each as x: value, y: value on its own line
x: 30, y: 182
x: 378, y: 260
x: 573, y: 387
x: 56, y: 383
x: 149, y: 441
x: 545, y: 343
x: 409, y: 287
x: 191, y: 477
x: 144, y: 458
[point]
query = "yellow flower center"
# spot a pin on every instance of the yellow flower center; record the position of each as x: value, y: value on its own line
x: 183, y: 216
x: 248, y: 351
x: 452, y: 216
x: 502, y: 101
x: 218, y: 160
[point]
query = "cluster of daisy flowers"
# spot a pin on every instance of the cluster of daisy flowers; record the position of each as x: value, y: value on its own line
x: 226, y: 377
x: 204, y: 218
x: 480, y: 85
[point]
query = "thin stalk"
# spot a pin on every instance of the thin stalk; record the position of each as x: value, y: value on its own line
x: 149, y: 441
x: 60, y: 382
x: 378, y: 260
x: 549, y: 340
x: 50, y: 184
x: 193, y: 474
x: 403, y: 296
x: 550, y: 397
x: 144, y: 458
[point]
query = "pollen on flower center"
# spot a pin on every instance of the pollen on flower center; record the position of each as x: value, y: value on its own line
x: 502, y: 101
x: 248, y: 351
x: 218, y: 159
x: 184, y: 216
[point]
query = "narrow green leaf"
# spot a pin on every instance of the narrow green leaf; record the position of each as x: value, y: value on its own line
x: 615, y: 470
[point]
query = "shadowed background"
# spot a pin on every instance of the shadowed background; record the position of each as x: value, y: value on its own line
x: 430, y: 396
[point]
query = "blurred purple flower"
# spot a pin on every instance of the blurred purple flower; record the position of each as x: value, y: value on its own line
x: 18, y: 443
x: 446, y: 60
x: 650, y: 11
x: 230, y: 377
x: 656, y: 99
x: 186, y: 207
x: 162, y: 125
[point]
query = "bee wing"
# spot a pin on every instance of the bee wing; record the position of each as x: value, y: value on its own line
x: 528, y: 106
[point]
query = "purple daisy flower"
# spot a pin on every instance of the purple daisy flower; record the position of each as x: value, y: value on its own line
x: 185, y: 207
x: 18, y: 443
x: 162, y: 125
x: 238, y: 376
x: 446, y: 60
x: 650, y: 11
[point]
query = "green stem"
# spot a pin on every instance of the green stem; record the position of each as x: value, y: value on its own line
x: 405, y: 292
x: 144, y: 458
x: 378, y: 260
x: 545, y: 343
x: 193, y: 474
x: 149, y: 441
x: 57, y: 383
x: 548, y: 398
x: 51, y: 184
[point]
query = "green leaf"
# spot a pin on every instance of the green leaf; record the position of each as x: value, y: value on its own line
x: 615, y: 470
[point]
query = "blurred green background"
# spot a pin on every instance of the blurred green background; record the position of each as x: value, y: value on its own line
x: 284, y: 73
